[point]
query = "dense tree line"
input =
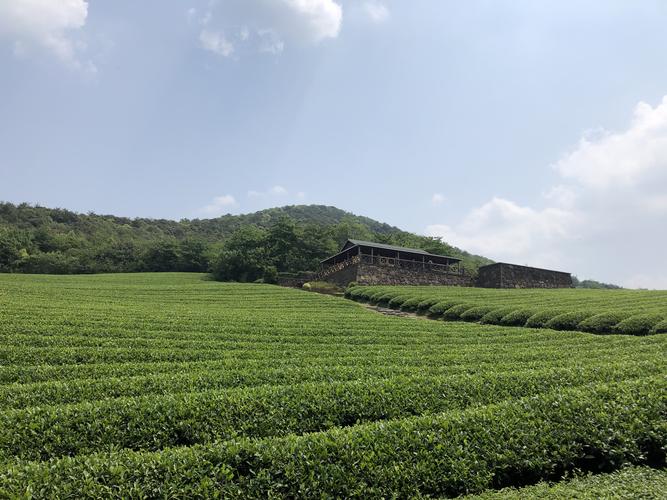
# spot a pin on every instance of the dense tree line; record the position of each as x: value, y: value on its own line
x: 247, y: 247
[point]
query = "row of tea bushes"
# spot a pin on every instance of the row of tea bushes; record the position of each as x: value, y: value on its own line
x: 156, y: 422
x: 629, y: 482
x: 597, y: 427
x: 455, y: 304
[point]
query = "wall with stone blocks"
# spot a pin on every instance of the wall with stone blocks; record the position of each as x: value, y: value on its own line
x: 502, y: 275
x: 370, y: 274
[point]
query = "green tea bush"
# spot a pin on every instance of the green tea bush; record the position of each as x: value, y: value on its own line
x: 641, y: 324
x: 396, y: 302
x: 494, y: 316
x: 660, y: 327
x: 426, y: 304
x: 568, y: 321
x: 411, y: 304
x: 383, y: 299
x: 439, y: 309
x: 476, y: 313
x: 455, y: 312
x: 541, y: 318
x: 444, y: 455
x: 601, y: 323
x: 517, y: 318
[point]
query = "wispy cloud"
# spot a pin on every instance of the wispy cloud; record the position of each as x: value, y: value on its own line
x: 376, y: 11
x: 267, y: 26
x: 219, y: 205
x: 216, y: 43
x: 437, y: 199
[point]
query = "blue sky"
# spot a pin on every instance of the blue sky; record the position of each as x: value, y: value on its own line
x: 530, y: 132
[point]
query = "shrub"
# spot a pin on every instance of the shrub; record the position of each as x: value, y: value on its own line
x: 541, y: 318
x: 602, y: 323
x: 660, y: 327
x: 411, y: 304
x: 384, y: 299
x: 455, y: 312
x: 517, y: 318
x: 476, y: 313
x: 425, y: 305
x: 641, y: 324
x: 494, y: 316
x: 440, y: 308
x: 443, y: 455
x: 568, y: 321
x: 396, y: 302
x: 375, y: 296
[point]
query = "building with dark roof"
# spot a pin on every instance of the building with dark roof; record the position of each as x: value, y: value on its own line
x: 370, y: 263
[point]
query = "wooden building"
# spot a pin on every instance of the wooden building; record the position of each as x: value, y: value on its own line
x: 370, y: 263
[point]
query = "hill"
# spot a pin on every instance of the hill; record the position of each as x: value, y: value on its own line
x: 37, y: 239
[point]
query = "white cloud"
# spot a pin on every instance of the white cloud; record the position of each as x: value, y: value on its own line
x: 273, y: 192
x: 437, y: 199
x: 270, y: 42
x: 606, y: 219
x: 628, y: 158
x: 45, y: 24
x: 220, y: 205
x: 216, y: 43
x: 275, y: 23
x: 376, y: 11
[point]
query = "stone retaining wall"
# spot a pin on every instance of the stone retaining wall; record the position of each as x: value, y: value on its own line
x: 371, y: 274
x: 502, y: 275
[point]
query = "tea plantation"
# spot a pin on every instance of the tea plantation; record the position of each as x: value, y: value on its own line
x: 629, y: 312
x: 173, y: 386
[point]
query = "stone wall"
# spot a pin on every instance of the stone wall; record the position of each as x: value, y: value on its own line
x: 502, y: 275
x: 344, y: 277
x: 373, y: 274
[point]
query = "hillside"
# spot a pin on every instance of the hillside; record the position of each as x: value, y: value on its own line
x: 37, y: 239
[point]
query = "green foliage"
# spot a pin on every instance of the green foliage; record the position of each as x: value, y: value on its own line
x: 455, y: 312
x: 602, y: 323
x: 476, y: 313
x: 613, y: 424
x: 410, y: 304
x: 629, y: 482
x: 517, y: 318
x: 660, y: 327
x: 641, y: 324
x: 424, y: 305
x: 569, y: 320
x: 494, y: 316
x: 41, y: 240
x: 397, y: 301
x: 439, y: 308
x: 594, y: 311
x: 171, y: 385
x: 541, y: 318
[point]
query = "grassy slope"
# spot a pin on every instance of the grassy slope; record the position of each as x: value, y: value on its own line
x: 151, y: 361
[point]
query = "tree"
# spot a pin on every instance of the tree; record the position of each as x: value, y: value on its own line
x: 163, y: 255
x: 245, y: 257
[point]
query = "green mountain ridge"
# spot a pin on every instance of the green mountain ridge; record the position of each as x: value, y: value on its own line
x: 40, y: 239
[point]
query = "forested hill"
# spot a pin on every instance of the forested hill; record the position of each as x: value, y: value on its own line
x: 36, y: 239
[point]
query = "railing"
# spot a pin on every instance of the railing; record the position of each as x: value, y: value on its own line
x: 376, y: 260
x: 413, y: 265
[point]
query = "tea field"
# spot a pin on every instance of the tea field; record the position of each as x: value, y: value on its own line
x: 172, y: 386
x: 629, y: 312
